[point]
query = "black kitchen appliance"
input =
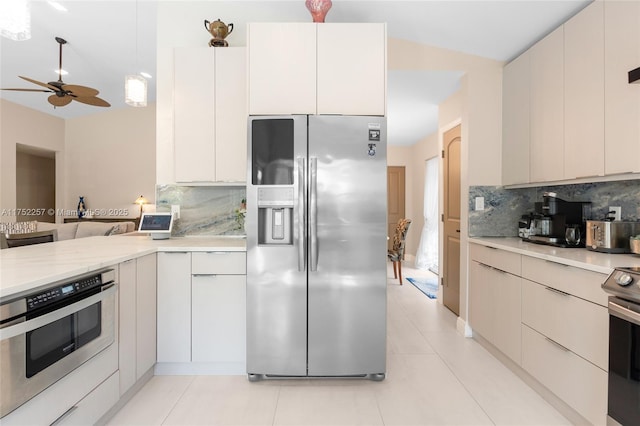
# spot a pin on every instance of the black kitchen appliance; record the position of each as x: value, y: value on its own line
x: 553, y: 217
x: 624, y: 346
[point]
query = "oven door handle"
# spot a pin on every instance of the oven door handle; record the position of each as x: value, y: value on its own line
x: 26, y: 326
x: 624, y: 313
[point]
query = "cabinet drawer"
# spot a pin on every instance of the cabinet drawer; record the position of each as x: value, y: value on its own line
x: 499, y: 259
x: 93, y: 406
x: 580, y: 384
x: 576, y: 324
x: 578, y: 282
x: 219, y: 263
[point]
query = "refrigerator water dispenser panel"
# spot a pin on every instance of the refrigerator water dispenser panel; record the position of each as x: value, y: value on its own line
x: 275, y: 213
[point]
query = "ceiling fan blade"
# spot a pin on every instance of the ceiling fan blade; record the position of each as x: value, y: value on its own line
x: 91, y: 100
x: 59, y: 101
x: 30, y: 90
x: 80, y: 90
x: 39, y: 83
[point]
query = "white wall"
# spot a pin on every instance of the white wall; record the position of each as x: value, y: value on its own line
x: 110, y: 160
x: 21, y: 125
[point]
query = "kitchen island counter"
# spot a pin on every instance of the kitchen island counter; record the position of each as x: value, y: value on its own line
x: 603, y: 263
x: 23, y: 269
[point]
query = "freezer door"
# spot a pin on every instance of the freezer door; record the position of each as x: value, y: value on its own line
x: 275, y: 226
x: 347, y: 237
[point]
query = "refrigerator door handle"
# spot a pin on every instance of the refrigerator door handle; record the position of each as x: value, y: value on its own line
x: 301, y: 215
x: 313, y: 214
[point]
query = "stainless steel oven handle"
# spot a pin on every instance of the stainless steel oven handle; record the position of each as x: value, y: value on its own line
x: 32, y: 324
x: 624, y: 313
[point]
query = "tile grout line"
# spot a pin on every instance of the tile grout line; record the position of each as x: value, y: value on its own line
x: 275, y: 410
x: 448, y: 365
x: 193, y: 378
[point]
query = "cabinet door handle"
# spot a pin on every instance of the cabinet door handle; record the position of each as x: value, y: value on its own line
x: 562, y: 293
x: 204, y: 275
x: 218, y: 253
x: 557, y: 263
x: 64, y: 415
x: 175, y: 252
x: 558, y: 345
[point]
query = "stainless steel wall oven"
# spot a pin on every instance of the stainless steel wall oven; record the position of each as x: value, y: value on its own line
x: 47, y: 333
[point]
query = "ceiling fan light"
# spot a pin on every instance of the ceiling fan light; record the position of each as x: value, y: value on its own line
x: 135, y: 91
x: 15, y: 20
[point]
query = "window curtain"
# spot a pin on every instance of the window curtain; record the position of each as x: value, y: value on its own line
x: 427, y: 255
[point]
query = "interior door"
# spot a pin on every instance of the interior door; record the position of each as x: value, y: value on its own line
x: 395, y: 199
x: 451, y: 216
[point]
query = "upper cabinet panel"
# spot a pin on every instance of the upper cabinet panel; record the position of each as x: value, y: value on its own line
x: 282, y: 68
x: 584, y: 93
x: 515, y: 120
x: 317, y: 69
x: 622, y: 100
x: 352, y: 71
x: 547, y: 108
x: 193, y: 114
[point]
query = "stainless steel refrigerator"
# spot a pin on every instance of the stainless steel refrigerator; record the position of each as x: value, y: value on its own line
x: 316, y: 246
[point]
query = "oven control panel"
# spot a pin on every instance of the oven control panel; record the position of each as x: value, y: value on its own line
x: 624, y: 283
x: 46, y: 297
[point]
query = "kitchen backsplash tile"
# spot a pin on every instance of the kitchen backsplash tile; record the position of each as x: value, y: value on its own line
x: 204, y: 210
x: 503, y: 207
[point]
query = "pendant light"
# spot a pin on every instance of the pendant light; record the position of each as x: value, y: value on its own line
x: 15, y: 19
x: 135, y: 86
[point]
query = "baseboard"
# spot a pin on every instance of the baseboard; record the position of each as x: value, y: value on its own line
x: 563, y: 408
x: 200, y: 369
x: 463, y: 328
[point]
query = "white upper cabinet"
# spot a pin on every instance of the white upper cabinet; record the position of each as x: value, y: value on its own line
x: 282, y: 68
x: 584, y: 93
x: 352, y: 69
x: 547, y: 108
x: 515, y: 120
x: 622, y: 100
x: 308, y: 68
x: 210, y: 114
x: 194, y: 110
x: 231, y: 115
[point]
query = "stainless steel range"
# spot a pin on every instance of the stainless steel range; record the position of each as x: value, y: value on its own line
x: 624, y: 346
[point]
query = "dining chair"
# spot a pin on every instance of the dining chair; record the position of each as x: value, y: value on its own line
x: 18, y: 240
x: 396, y: 254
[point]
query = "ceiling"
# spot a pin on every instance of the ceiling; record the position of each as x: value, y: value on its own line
x: 109, y: 39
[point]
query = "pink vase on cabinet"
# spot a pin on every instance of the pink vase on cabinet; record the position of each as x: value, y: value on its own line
x: 318, y: 9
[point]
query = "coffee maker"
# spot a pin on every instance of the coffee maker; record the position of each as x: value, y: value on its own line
x: 558, y: 222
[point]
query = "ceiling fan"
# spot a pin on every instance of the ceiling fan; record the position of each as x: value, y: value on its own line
x: 64, y: 93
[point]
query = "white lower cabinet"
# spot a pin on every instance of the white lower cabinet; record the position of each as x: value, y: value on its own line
x: 494, y: 307
x: 562, y: 317
x: 137, y: 315
x: 201, y: 313
x: 218, y: 311
x: 93, y: 406
x: 579, y: 383
x: 579, y: 325
x: 174, y: 307
x: 218, y: 319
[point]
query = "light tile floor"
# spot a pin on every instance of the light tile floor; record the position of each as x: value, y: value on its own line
x: 435, y: 376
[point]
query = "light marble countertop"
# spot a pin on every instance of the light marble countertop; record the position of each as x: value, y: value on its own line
x: 603, y: 263
x: 26, y: 268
